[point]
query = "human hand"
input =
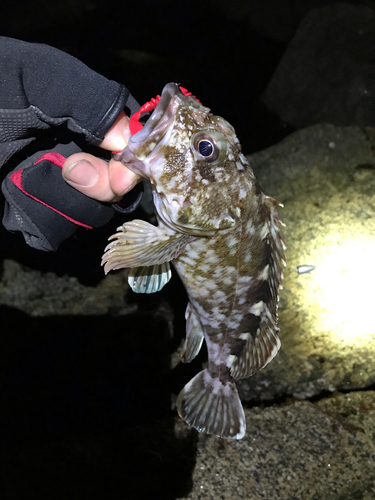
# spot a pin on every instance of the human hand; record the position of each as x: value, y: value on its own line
x: 44, y: 89
x: 96, y: 178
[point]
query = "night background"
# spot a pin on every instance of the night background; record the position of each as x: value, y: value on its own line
x: 89, y: 371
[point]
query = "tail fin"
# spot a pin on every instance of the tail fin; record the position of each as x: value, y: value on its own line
x: 209, y: 406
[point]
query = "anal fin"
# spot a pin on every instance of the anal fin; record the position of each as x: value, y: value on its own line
x: 149, y: 279
x: 194, y: 335
x: 211, y: 406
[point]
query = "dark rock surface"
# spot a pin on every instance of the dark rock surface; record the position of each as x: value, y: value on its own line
x: 300, y: 450
x: 327, y: 72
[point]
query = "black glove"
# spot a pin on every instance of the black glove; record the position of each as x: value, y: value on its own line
x: 42, y: 88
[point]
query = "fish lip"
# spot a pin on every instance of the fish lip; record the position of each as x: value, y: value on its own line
x: 168, y: 92
x: 142, y: 144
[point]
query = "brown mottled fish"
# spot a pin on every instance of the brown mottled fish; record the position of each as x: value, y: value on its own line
x: 222, y: 234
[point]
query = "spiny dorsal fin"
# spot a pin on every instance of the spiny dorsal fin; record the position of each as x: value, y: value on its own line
x: 263, y: 344
x: 277, y: 242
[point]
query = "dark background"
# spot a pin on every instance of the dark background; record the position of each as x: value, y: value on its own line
x: 145, y: 45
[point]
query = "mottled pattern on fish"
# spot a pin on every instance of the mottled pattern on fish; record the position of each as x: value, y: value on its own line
x: 223, y: 236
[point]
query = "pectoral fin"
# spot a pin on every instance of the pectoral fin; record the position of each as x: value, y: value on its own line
x: 149, y: 279
x: 194, y: 335
x: 138, y: 243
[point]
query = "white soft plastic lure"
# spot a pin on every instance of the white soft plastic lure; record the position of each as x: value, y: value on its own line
x: 222, y: 235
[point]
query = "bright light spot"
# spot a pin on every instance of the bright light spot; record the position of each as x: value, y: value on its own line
x: 345, y: 279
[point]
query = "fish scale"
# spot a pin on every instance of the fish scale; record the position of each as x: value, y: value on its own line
x: 222, y: 235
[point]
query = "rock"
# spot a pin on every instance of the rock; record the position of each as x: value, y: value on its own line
x: 277, y: 19
x: 325, y: 176
x: 44, y: 294
x: 327, y: 72
x: 294, y: 451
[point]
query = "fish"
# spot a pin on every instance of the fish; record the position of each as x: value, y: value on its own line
x: 223, y: 236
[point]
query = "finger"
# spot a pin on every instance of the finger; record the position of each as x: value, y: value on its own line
x: 116, y: 138
x: 90, y: 176
x: 121, y: 179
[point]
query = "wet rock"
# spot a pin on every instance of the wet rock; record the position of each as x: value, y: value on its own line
x: 297, y: 450
x: 325, y: 176
x: 327, y: 72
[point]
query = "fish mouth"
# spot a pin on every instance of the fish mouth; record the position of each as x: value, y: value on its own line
x: 160, y: 118
x: 141, y: 144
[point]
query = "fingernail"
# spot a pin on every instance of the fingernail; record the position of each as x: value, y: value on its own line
x: 119, y: 143
x: 81, y: 174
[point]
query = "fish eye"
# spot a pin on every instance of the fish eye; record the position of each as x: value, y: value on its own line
x: 206, y: 148
x: 208, y: 145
